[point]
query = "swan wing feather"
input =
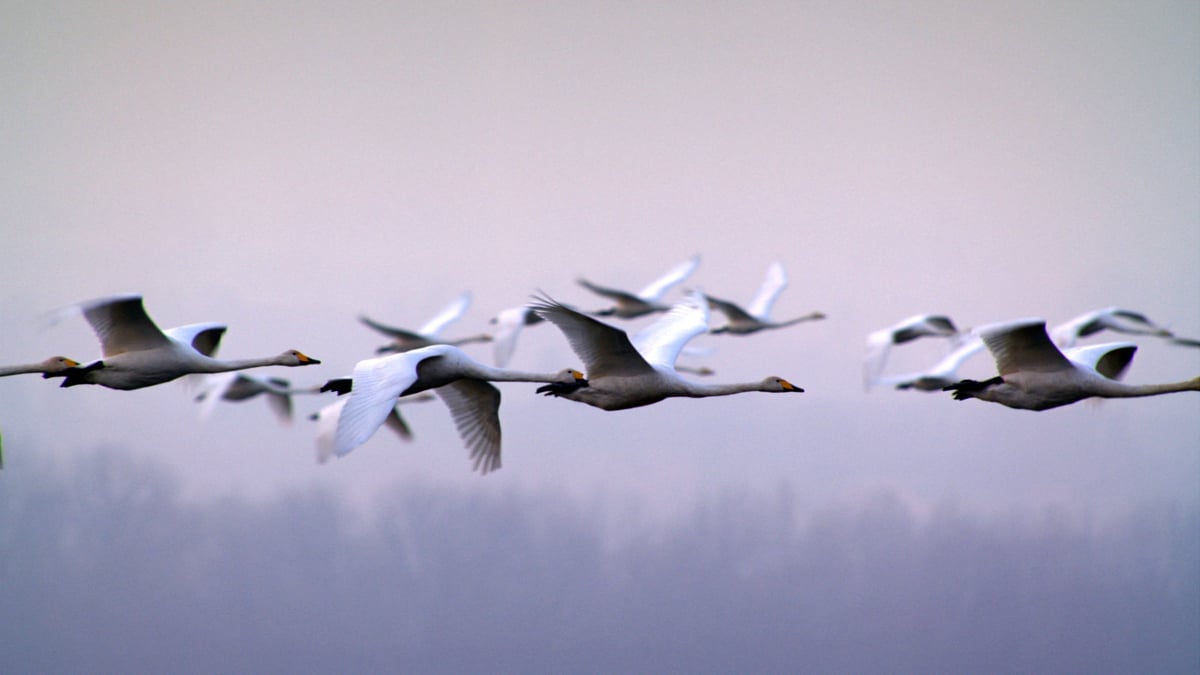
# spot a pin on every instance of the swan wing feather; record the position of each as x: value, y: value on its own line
x: 772, y: 286
x: 655, y: 290
x: 475, y: 407
x: 122, y: 325
x: 377, y: 383
x: 1022, y: 345
x: 660, y: 342
x: 447, y: 316
x: 605, y: 350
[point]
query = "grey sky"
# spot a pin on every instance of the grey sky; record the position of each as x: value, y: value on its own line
x: 285, y: 167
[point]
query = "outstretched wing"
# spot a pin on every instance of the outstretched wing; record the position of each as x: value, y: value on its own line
x: 772, y: 286
x: 660, y: 342
x: 203, y: 337
x: 1022, y: 345
x: 475, y: 407
x: 604, y: 349
x: 376, y: 385
x: 447, y: 316
x: 122, y: 325
x: 655, y: 290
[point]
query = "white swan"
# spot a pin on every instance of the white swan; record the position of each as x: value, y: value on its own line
x: 328, y: 416
x: 1115, y: 319
x: 649, y: 299
x: 54, y: 366
x: 1109, y: 359
x: 236, y: 387
x: 880, y: 342
x: 757, y: 315
x: 404, y: 339
x: 621, y: 375
x: 137, y: 354
x: 1035, y: 375
x: 460, y: 381
x: 942, y: 374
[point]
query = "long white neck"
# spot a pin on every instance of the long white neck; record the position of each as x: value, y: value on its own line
x: 1114, y: 389
x: 800, y: 319
x: 486, y: 372
x: 208, y: 365
x: 704, y: 390
x: 20, y: 370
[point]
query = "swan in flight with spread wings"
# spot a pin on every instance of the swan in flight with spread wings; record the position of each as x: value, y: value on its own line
x: 137, y: 354
x: 236, y: 387
x: 914, y: 327
x: 941, y: 374
x: 428, y: 334
x: 1118, y: 320
x: 757, y: 315
x: 55, y: 366
x: 1110, y: 359
x: 463, y: 383
x: 627, y: 374
x: 649, y: 299
x: 1035, y: 375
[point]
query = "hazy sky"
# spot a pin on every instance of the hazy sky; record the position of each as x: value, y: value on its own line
x: 285, y: 167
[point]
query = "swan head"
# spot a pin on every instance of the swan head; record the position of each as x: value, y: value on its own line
x: 571, y: 376
x: 57, y: 366
x: 778, y: 384
x: 295, y: 357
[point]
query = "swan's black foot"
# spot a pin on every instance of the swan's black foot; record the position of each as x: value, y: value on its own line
x: 560, y: 389
x: 966, y: 389
x: 76, y: 375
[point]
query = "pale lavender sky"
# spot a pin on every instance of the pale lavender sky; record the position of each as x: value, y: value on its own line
x: 285, y: 167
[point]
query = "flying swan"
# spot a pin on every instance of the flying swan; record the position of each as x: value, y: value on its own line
x: 757, y: 315
x: 462, y: 383
x: 137, y: 354
x: 1035, y: 375
x: 880, y: 342
x: 627, y: 374
x: 1115, y: 319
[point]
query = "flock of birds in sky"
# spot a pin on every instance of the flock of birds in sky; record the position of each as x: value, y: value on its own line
x: 1037, y: 369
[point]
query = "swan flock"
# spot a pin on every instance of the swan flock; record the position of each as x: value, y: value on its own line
x: 1037, y: 368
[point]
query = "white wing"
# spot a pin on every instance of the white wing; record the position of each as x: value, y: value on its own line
x: 212, y: 387
x: 447, y: 316
x: 773, y: 285
x: 944, y: 371
x: 1022, y: 345
x: 1110, y: 359
x: 657, y: 288
x: 660, y: 342
x: 121, y: 324
x: 327, y: 424
x: 203, y: 337
x: 377, y: 383
x: 504, y: 339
